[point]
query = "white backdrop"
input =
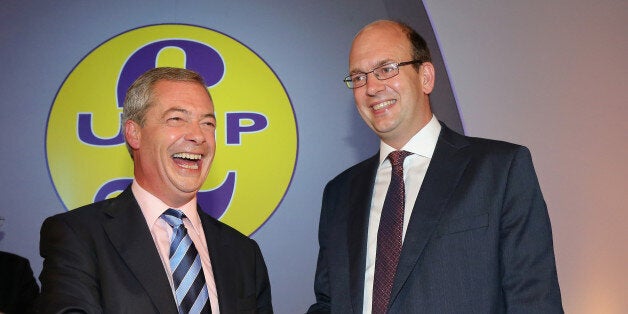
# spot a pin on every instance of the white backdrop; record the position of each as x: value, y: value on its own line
x: 553, y: 75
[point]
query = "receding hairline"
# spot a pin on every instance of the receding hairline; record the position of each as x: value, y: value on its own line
x: 394, y: 24
x: 418, y: 47
x: 381, y: 24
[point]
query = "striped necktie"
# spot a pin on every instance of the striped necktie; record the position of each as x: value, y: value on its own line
x: 185, y: 263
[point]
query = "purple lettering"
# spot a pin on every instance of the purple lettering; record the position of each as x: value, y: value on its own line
x: 198, y: 57
x: 235, y: 127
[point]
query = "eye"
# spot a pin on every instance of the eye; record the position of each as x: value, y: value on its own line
x: 175, y: 120
x: 388, y: 68
x: 208, y: 123
x: 356, y: 78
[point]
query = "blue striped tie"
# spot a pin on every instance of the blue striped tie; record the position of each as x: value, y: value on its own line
x: 187, y: 272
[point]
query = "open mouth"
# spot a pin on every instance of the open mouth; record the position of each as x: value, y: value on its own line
x: 187, y: 160
x: 383, y: 105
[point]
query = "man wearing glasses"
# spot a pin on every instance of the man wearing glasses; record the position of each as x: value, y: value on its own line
x: 435, y: 222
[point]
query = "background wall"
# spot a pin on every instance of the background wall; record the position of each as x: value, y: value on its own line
x: 552, y: 75
x: 548, y: 75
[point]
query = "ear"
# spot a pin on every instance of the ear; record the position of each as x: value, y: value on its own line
x: 428, y: 75
x: 132, y: 134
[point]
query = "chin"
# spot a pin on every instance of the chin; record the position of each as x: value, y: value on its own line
x: 188, y: 187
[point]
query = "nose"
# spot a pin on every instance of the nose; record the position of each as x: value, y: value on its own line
x: 373, y: 85
x: 195, y: 133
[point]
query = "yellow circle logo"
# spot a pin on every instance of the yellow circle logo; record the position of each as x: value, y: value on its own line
x: 256, y: 137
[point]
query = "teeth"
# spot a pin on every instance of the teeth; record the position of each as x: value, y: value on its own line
x: 383, y: 105
x: 187, y: 156
x: 194, y: 166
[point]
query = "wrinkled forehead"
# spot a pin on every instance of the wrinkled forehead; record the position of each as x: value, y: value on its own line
x: 192, y: 95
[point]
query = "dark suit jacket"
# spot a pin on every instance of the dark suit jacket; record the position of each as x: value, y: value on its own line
x: 102, y: 258
x: 18, y: 288
x: 479, y: 239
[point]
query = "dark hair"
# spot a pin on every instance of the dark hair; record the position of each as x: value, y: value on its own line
x: 419, y: 46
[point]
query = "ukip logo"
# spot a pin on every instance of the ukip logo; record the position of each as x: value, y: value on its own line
x: 256, y: 137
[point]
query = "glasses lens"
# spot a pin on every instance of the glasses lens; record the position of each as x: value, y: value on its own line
x: 348, y: 82
x: 356, y: 80
x: 386, y: 71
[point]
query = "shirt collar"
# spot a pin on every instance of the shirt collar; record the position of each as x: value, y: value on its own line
x: 152, y: 207
x: 423, y: 143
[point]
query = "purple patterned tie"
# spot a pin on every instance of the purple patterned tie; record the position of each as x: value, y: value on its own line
x: 389, y: 235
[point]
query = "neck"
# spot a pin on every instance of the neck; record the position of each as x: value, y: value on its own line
x: 171, y: 200
x: 397, y: 141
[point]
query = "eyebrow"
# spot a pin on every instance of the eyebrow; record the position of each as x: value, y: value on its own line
x: 377, y: 65
x: 209, y: 115
x: 181, y: 110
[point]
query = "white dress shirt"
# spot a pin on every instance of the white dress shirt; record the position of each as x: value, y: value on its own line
x: 422, y: 146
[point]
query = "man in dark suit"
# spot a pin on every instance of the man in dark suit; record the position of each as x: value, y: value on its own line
x: 115, y: 256
x: 471, y: 233
x: 18, y: 288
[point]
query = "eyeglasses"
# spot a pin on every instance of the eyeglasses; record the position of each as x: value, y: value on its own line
x: 383, y: 72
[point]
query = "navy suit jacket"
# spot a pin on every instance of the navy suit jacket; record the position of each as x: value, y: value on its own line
x: 101, y: 258
x: 479, y: 238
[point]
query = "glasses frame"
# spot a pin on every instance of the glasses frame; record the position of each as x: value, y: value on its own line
x: 349, y: 82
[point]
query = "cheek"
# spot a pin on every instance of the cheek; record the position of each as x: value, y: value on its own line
x: 396, y: 86
x: 210, y: 137
x: 358, y: 96
x: 170, y: 137
x: 361, y: 104
x: 209, y: 132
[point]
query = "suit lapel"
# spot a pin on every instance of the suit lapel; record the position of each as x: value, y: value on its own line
x: 359, y: 208
x: 221, y: 265
x: 129, y: 234
x: 445, y: 169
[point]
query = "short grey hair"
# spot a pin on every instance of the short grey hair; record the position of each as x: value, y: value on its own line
x: 139, y: 96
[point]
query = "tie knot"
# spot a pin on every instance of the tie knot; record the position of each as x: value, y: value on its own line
x: 173, y: 217
x: 397, y: 157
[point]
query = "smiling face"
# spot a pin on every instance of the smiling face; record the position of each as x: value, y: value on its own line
x: 173, y: 149
x: 396, y: 108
